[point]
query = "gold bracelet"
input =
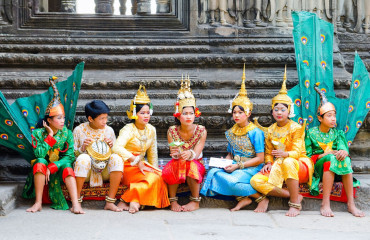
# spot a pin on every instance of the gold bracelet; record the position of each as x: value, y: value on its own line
x: 295, y: 205
x: 195, y: 199
x: 241, y: 198
x: 258, y: 200
x: 110, y: 200
x: 173, y: 199
x: 241, y: 165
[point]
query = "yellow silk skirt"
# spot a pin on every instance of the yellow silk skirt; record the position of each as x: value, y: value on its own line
x: 148, y: 189
x: 293, y: 169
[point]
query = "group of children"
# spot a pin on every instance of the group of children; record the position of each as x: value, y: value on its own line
x: 262, y: 161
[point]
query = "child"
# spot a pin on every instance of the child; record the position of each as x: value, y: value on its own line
x: 328, y: 149
x: 285, y: 156
x: 246, y: 147
x: 53, y: 148
x: 135, y: 141
x: 87, y: 167
x: 186, y: 164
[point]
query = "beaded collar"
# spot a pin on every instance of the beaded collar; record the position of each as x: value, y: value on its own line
x: 240, y: 131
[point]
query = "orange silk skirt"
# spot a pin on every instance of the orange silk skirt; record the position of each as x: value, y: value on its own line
x: 176, y: 171
x: 148, y: 189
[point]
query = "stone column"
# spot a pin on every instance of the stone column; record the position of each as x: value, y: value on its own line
x: 122, y: 7
x: 133, y: 7
x: 68, y: 6
x: 104, y: 6
x: 163, y: 6
x: 143, y: 7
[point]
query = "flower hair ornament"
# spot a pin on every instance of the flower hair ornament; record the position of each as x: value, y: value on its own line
x: 185, y: 98
x: 141, y: 97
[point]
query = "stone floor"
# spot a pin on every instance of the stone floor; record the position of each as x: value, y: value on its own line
x: 214, y: 223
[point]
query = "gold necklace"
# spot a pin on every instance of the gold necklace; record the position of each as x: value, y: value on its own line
x: 143, y: 138
x: 285, y: 129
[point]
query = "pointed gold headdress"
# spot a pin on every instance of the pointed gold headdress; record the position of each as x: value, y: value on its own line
x: 283, y: 97
x: 185, y: 98
x: 55, y: 106
x: 141, y: 97
x: 241, y: 99
x: 325, y: 105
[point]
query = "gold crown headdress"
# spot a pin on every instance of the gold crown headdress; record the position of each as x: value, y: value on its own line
x: 325, y: 105
x: 55, y: 106
x: 241, y: 98
x: 185, y: 98
x: 141, y: 97
x: 283, y: 97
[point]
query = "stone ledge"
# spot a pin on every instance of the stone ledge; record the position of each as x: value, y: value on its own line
x: 8, y: 197
x: 10, y: 192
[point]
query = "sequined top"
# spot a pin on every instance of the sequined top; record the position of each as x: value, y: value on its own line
x: 83, y: 131
x: 133, y: 142
x: 173, y: 131
x: 318, y: 142
x: 61, y: 153
x: 290, y: 136
x: 246, y: 145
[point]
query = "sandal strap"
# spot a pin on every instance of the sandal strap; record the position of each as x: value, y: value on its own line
x: 258, y: 200
x: 295, y: 205
x: 81, y: 199
x: 110, y: 200
x: 195, y: 199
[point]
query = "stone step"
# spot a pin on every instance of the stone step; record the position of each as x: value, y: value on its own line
x: 209, y: 95
x: 155, y: 41
x: 176, y: 60
x: 9, y: 193
x: 362, y: 201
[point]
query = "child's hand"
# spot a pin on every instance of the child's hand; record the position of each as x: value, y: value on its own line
x: 279, y: 154
x: 334, y: 152
x: 231, y: 168
x: 109, y: 142
x: 266, y: 168
x: 48, y: 129
x: 341, y: 155
x: 174, y: 152
x: 47, y: 176
x: 86, y: 143
x: 185, y: 155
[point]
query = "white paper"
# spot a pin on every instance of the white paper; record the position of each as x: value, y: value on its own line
x: 220, y: 162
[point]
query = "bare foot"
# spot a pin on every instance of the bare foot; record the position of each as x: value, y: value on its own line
x: 293, y: 212
x: 112, y: 207
x: 355, y: 211
x: 241, y: 204
x: 326, y: 211
x: 134, y: 207
x: 176, y: 207
x: 191, y: 206
x: 35, y: 208
x: 262, y: 206
x: 77, y: 209
x: 123, y: 206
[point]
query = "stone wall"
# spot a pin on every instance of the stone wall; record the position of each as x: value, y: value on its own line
x: 120, y: 53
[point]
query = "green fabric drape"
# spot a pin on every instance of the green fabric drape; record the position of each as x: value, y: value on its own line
x: 19, y: 120
x: 313, y: 42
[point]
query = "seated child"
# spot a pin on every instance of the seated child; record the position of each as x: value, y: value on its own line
x: 94, y: 169
x: 328, y: 148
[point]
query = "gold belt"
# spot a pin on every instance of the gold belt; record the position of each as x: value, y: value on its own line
x: 241, y: 159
